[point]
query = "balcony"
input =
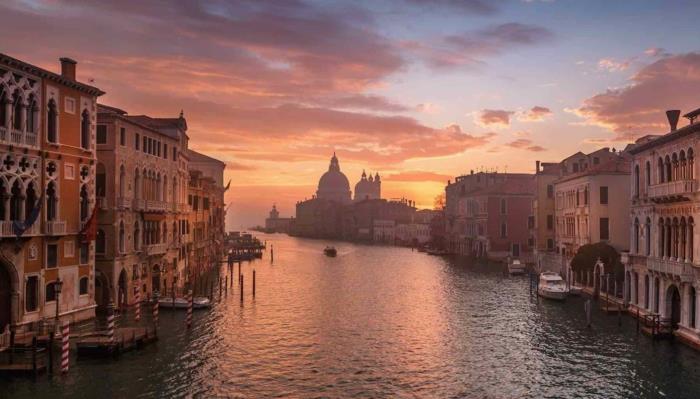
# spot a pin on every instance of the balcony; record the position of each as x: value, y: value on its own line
x: 156, y: 206
x: 156, y: 249
x: 123, y: 203
x: 672, y: 268
x: 18, y: 137
x: 139, y: 204
x: 55, y: 227
x: 671, y: 190
x: 6, y: 229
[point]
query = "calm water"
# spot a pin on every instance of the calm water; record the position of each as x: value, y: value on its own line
x: 384, y: 322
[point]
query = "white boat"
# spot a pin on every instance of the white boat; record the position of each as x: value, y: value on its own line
x: 515, y: 267
x: 552, y: 286
x: 198, y: 302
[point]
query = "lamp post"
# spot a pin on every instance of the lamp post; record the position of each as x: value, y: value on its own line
x: 58, y: 286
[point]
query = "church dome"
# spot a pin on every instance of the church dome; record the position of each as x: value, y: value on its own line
x: 334, y: 185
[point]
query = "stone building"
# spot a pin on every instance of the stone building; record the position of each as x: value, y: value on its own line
x: 661, y: 271
x: 542, y: 225
x: 276, y: 224
x: 368, y: 187
x: 141, y: 196
x: 47, y: 179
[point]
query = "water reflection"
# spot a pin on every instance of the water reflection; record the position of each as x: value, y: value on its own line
x: 385, y: 322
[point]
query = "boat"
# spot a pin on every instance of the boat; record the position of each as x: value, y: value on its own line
x: 552, y: 286
x: 515, y: 267
x: 330, y: 251
x: 198, y: 302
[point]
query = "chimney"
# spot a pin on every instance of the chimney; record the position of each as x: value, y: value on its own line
x: 68, y: 68
x: 673, y: 116
x: 537, y: 167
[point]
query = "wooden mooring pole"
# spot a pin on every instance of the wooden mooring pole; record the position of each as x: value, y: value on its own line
x: 241, y: 288
x: 253, y: 283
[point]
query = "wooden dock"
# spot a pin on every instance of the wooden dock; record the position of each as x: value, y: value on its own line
x: 125, y: 339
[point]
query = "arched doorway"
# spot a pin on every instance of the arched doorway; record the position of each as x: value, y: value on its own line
x: 155, y: 279
x: 102, y: 296
x: 121, y: 293
x: 673, y: 305
x: 5, y: 298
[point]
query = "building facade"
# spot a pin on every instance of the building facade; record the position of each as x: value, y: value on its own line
x: 47, y: 179
x: 276, y: 224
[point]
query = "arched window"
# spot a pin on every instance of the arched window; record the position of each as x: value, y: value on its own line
x: 51, y: 202
x: 647, y: 173
x: 636, y: 235
x: 50, y: 293
x: 647, y: 237
x: 674, y: 167
x: 137, y: 236
x: 165, y: 188
x: 691, y: 233
x: 662, y: 238
x: 137, y: 184
x: 3, y: 111
x: 100, y: 242
x: 31, y: 114
x: 52, y: 122
x: 660, y: 165
x: 85, y: 130
x: 165, y: 232
x: 636, y: 180
x: 646, y: 291
x: 121, y: 238
x: 16, y: 201
x: 30, y: 200
x: 84, y: 204
x: 693, y: 306
x: 17, y: 110
x: 669, y: 174
x: 691, y: 167
x: 100, y: 180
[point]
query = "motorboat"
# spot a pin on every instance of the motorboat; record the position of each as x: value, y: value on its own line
x: 552, y: 286
x: 198, y: 302
x: 330, y: 251
x: 515, y: 267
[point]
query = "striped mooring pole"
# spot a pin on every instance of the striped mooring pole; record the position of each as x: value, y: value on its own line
x: 110, y: 322
x: 65, y: 348
x: 156, y: 305
x: 137, y: 311
x: 188, y: 319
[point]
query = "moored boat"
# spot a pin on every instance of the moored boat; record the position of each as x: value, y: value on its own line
x: 552, y: 286
x: 515, y: 267
x: 198, y: 302
x: 330, y: 251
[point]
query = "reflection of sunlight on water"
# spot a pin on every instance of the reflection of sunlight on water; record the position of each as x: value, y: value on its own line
x: 385, y: 322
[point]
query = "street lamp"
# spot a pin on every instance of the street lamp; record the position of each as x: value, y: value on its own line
x: 58, y: 286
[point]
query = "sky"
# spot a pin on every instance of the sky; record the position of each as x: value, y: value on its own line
x: 419, y: 91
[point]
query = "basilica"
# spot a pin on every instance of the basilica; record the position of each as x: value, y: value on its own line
x: 334, y: 185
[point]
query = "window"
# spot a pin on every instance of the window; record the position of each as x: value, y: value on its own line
x: 503, y: 206
x: 550, y: 222
x: 174, y: 154
x: 195, y: 203
x: 165, y: 151
x: 84, y: 253
x: 603, y: 195
x: 604, y: 229
x: 69, y: 105
x: 550, y: 243
x: 122, y: 244
x: 51, y: 255
x: 145, y: 144
x: 100, y: 242
x: 83, y: 290
x: 205, y: 203
x: 636, y: 180
x: 122, y: 136
x: 550, y: 191
x: 101, y: 134
x: 52, y: 123
x: 68, y: 249
x: 137, y: 141
x: 50, y: 294
x: 85, y: 130
x: 158, y: 148
x: 31, y: 294
x: 504, y: 230
x: 189, y: 200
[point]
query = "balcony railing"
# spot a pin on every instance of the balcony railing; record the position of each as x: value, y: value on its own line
x: 123, y: 203
x: 672, y: 267
x: 6, y: 229
x: 18, y: 137
x: 157, y: 206
x: 55, y: 227
x: 671, y: 189
x: 139, y: 204
x: 156, y: 249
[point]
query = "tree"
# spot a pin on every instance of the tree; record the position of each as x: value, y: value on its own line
x: 587, y: 256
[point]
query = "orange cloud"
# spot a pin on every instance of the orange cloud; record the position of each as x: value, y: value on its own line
x: 417, y: 176
x: 525, y: 144
x: 535, y: 114
x: 494, y: 117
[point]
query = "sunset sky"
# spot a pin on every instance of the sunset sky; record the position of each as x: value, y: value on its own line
x: 418, y: 90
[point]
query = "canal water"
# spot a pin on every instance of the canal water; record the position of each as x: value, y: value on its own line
x: 383, y: 322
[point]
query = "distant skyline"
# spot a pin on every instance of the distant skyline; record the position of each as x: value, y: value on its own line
x: 419, y: 91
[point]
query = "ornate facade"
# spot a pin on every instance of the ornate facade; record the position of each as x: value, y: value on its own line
x: 47, y: 180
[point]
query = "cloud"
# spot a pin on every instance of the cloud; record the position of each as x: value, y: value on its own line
x: 478, y: 7
x: 656, y: 52
x: 535, y: 114
x: 428, y: 108
x: 238, y: 166
x: 639, y: 108
x: 417, y: 176
x: 468, y: 49
x: 611, y: 65
x: 494, y: 118
x: 525, y: 144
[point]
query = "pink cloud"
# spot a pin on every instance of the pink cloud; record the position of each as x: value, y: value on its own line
x: 535, y: 114
x: 525, y: 144
x: 494, y: 117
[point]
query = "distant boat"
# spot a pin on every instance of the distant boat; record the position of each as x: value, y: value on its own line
x: 515, y: 267
x: 198, y: 302
x: 330, y: 251
x: 552, y: 286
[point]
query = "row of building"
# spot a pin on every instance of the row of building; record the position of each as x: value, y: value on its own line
x: 642, y: 201
x: 334, y: 213
x: 96, y: 202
